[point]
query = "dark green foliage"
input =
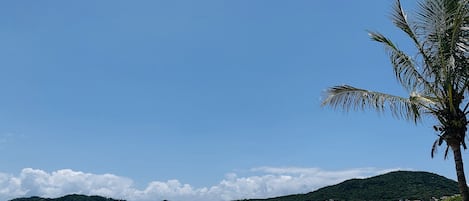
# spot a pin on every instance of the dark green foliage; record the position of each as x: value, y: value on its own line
x: 73, y: 197
x: 388, y: 187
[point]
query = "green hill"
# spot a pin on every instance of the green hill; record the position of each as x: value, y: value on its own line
x: 68, y: 198
x: 393, y: 186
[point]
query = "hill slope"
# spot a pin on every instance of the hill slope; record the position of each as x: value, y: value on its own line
x: 68, y: 198
x: 387, y: 187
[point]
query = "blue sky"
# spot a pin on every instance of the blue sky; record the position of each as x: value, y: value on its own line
x: 196, y: 94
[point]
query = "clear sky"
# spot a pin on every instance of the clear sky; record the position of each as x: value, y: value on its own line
x: 196, y: 100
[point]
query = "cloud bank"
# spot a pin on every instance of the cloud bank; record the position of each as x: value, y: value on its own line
x: 261, y: 182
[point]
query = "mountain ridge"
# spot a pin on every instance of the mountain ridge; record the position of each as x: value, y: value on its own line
x: 392, y: 186
x: 71, y: 197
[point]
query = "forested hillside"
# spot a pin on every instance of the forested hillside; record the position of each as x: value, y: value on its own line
x: 68, y: 198
x: 387, y: 187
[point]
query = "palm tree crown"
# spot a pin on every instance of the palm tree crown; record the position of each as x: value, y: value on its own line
x: 437, y: 79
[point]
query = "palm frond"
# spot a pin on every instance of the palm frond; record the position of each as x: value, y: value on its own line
x: 399, y: 18
x: 405, y: 69
x: 446, y: 152
x: 432, y: 27
x: 459, y: 24
x: 443, y: 25
x: 438, y: 142
x: 437, y: 78
x: 435, y: 146
x: 350, y: 98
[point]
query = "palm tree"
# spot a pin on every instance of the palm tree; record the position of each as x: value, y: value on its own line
x: 436, y: 79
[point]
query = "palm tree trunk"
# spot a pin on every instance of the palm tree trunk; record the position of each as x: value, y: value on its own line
x: 460, y: 172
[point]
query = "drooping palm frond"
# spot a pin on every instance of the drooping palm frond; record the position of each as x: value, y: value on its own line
x: 445, y: 137
x: 350, y: 98
x: 438, y: 142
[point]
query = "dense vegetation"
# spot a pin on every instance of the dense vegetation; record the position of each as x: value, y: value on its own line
x: 68, y: 198
x: 387, y: 187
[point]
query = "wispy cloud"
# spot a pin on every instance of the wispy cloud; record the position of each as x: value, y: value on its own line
x: 262, y: 182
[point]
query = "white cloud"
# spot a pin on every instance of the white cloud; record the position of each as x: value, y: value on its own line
x: 261, y: 183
